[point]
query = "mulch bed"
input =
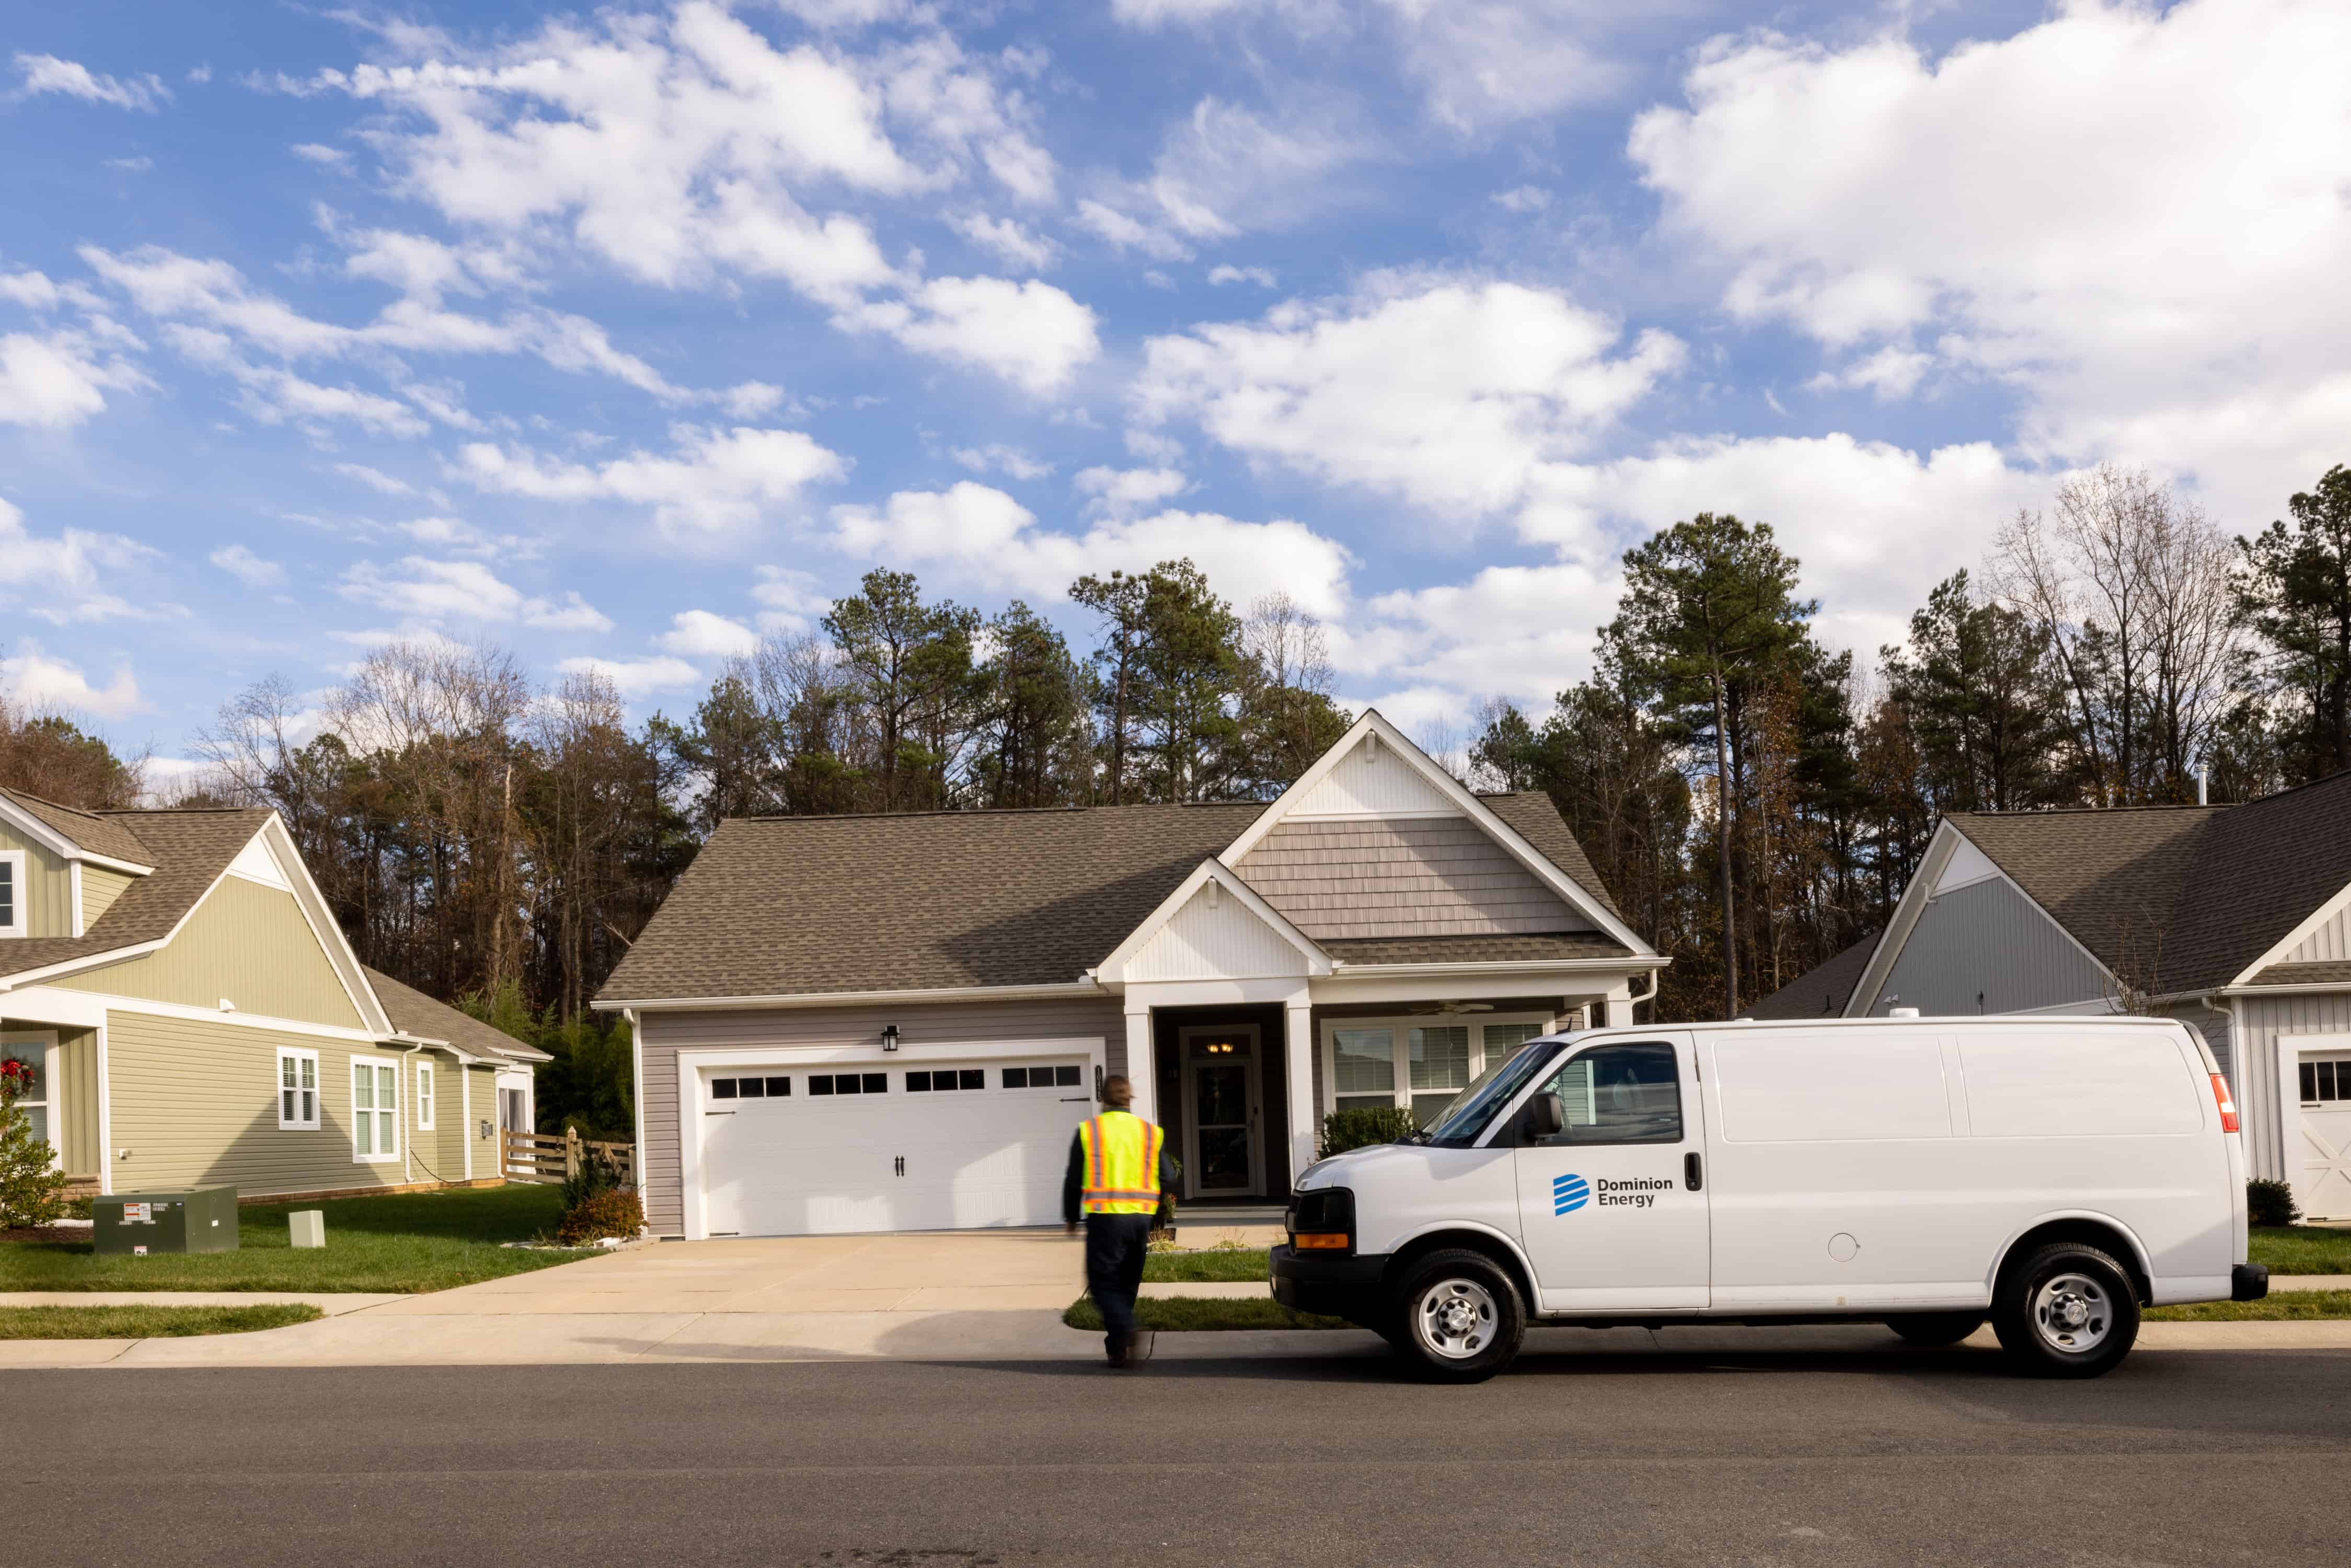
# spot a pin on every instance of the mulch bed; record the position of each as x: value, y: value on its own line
x: 46, y: 1233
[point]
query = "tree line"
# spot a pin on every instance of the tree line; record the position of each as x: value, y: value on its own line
x: 1755, y: 801
x: 1757, y: 804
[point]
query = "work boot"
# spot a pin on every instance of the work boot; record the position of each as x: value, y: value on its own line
x: 1138, y: 1346
x: 1117, y: 1354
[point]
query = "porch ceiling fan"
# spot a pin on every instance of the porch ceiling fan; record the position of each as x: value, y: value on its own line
x: 1455, y: 1008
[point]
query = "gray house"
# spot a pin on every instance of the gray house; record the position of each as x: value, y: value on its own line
x: 2235, y: 919
x: 894, y: 1022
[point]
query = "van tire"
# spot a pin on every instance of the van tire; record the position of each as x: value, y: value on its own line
x: 2066, y: 1291
x: 1932, y: 1330
x: 1457, y: 1316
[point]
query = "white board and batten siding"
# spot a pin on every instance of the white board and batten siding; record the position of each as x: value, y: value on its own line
x: 1053, y: 1029
x: 2266, y: 1051
x: 1216, y: 937
x: 1371, y: 781
x: 2330, y: 944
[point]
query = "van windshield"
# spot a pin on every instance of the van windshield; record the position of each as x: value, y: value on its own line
x: 1461, y: 1122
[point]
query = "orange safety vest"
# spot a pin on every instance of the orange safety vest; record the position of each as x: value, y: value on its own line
x: 1122, y: 1154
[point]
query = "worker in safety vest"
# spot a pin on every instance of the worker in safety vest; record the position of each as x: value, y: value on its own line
x: 1119, y: 1168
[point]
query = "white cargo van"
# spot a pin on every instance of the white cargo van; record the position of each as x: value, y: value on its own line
x: 2054, y: 1175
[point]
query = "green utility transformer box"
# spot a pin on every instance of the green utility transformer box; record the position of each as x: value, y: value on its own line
x: 195, y: 1219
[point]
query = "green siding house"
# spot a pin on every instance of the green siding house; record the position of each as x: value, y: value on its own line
x: 193, y: 1015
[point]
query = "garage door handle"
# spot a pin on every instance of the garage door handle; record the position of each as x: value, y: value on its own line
x: 902, y: 1165
x: 718, y: 1113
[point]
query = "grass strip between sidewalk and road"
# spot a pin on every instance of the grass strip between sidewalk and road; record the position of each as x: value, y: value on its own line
x: 1193, y: 1314
x: 2286, y: 1306
x: 408, y: 1242
x: 148, y: 1323
x: 1221, y: 1265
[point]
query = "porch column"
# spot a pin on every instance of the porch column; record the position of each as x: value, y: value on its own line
x: 1141, y: 1070
x: 1298, y: 1053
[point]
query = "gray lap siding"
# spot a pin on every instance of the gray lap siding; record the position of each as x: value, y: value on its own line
x: 661, y: 1035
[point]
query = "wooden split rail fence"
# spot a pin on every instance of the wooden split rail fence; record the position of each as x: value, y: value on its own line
x: 538, y: 1157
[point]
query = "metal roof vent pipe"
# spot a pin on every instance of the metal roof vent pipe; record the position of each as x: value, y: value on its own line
x: 1902, y: 1012
x: 2203, y: 781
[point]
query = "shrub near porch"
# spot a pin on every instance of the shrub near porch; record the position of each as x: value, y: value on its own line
x: 398, y: 1242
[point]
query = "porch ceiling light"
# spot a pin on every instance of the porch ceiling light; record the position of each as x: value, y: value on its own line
x: 889, y: 1037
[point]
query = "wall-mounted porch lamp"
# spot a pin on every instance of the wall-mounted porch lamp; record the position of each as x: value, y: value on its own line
x: 889, y: 1037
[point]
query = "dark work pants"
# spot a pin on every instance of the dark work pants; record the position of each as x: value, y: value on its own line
x: 1115, y: 1243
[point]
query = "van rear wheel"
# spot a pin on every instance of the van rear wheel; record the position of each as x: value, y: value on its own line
x: 2068, y: 1311
x: 1459, y: 1317
x: 1933, y: 1328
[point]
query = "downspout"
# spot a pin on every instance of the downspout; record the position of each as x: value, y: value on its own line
x: 1648, y: 996
x: 105, y: 1120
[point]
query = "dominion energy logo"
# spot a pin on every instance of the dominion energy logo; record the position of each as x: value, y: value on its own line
x: 1572, y: 1192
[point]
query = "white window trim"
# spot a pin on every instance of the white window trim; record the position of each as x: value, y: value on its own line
x: 46, y: 1039
x: 19, y: 918
x: 299, y: 1054
x: 425, y: 1087
x: 377, y: 1157
x: 1396, y: 1024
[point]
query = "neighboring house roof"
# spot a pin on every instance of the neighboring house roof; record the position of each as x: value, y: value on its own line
x: 188, y: 849
x: 2111, y: 878
x: 100, y: 833
x: 2261, y: 870
x: 939, y: 900
x: 2324, y: 972
x: 414, y: 1013
x: 1820, y: 992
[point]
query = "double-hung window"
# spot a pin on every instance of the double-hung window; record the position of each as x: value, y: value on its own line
x: 298, y: 1088
x: 424, y: 1096
x: 1417, y: 1064
x: 375, y: 1108
x: 12, y: 892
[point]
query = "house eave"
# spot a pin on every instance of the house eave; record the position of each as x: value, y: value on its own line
x: 910, y: 996
x: 1630, y: 964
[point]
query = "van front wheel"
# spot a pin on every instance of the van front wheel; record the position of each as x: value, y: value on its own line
x: 1459, y: 1316
x: 2068, y: 1311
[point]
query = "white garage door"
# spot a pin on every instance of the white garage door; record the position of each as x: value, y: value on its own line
x: 940, y: 1146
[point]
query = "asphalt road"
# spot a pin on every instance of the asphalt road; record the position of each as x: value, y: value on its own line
x: 1928, y: 1457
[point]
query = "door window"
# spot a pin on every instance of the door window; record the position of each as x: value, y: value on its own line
x: 32, y: 1058
x: 2325, y: 1082
x: 1619, y: 1094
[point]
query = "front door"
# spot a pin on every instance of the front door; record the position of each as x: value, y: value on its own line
x: 1220, y: 1113
x: 1606, y: 1207
x: 2320, y: 1166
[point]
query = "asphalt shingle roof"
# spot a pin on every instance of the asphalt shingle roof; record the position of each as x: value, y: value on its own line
x: 1517, y: 947
x: 806, y: 905
x: 414, y: 1013
x: 99, y: 832
x: 1821, y: 992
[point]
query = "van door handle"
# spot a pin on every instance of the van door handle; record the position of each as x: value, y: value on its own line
x: 1693, y: 1172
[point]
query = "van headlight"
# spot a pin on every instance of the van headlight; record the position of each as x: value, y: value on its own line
x: 1323, y: 1220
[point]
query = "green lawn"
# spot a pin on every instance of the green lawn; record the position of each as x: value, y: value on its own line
x: 1191, y: 1315
x: 2286, y: 1306
x: 402, y: 1241
x: 146, y: 1322
x: 2301, y: 1249
x: 1227, y: 1264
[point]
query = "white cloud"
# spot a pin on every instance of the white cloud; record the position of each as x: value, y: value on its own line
x: 1261, y: 275
x: 47, y: 73
x: 1483, y: 63
x: 982, y: 536
x: 375, y: 479
x: 636, y: 678
x: 1226, y: 167
x: 1007, y: 239
x: 435, y: 592
x: 788, y: 599
x: 57, y: 380
x: 277, y: 396
x: 1523, y: 199
x: 132, y: 165
x: 1031, y: 333
x: 455, y: 536
x: 241, y: 563
x: 33, y: 680
x: 1123, y: 492
x: 1452, y: 394
x: 703, y: 635
x: 68, y: 577
x: 324, y: 156
x: 2133, y: 215
x: 1893, y: 372
x: 751, y: 400
x: 1008, y: 460
x: 1505, y: 633
x: 716, y: 480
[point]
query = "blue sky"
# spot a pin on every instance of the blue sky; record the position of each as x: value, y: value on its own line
x: 622, y: 336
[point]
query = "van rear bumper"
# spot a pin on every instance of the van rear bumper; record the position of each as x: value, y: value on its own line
x: 1333, y: 1287
x: 2249, y: 1281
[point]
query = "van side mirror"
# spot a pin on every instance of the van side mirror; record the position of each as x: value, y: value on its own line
x: 1546, y: 1117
